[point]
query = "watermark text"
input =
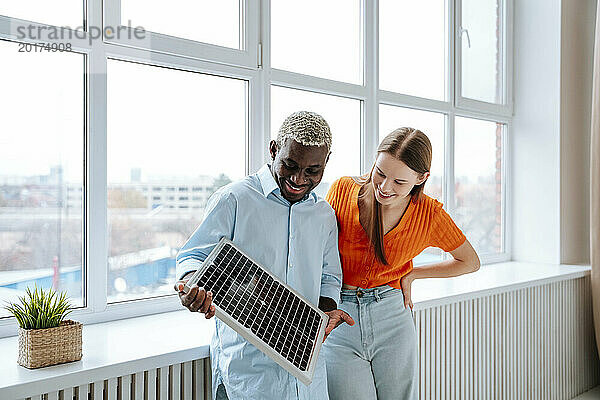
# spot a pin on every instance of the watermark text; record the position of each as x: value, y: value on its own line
x: 37, y: 32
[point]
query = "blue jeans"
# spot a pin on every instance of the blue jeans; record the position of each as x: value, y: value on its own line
x: 377, y: 357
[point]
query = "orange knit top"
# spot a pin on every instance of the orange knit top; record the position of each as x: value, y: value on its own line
x: 424, y: 224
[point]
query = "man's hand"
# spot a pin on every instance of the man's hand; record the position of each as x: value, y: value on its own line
x: 406, y: 283
x: 336, y: 318
x: 197, y: 299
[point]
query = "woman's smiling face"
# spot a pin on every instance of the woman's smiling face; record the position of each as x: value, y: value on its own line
x: 393, y: 180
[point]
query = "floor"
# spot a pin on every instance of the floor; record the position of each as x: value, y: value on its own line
x: 593, y: 394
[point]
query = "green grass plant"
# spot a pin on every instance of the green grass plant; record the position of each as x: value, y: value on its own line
x: 40, y: 308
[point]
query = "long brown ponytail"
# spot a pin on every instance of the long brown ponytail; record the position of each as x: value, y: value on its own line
x: 413, y: 148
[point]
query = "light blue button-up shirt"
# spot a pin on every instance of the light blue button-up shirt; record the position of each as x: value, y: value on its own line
x: 298, y: 243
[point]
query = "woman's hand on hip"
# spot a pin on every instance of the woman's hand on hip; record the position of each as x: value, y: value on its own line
x: 406, y: 283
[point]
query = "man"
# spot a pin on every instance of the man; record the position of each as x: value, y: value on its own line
x: 275, y: 217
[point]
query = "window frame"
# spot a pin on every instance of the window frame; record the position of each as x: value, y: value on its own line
x: 506, y: 107
x: 159, y: 42
x: 252, y: 65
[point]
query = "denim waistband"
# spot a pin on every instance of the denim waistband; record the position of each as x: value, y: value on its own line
x: 376, y: 294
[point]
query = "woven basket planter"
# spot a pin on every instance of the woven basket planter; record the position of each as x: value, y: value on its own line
x: 43, y: 347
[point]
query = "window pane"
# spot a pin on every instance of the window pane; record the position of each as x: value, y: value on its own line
x: 478, y: 183
x: 320, y: 38
x: 342, y: 115
x: 174, y: 137
x: 482, y: 55
x: 41, y: 172
x: 59, y: 13
x: 412, y: 47
x: 433, y: 125
x: 214, y: 22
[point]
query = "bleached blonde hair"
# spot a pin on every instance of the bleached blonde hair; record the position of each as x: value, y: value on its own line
x: 307, y: 128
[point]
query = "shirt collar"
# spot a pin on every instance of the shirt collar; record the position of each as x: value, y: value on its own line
x: 269, y: 185
x: 266, y: 180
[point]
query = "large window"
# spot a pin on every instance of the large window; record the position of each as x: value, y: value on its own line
x: 41, y: 171
x: 110, y: 147
x: 483, y: 57
x: 481, y: 44
x: 478, y: 182
x: 169, y: 131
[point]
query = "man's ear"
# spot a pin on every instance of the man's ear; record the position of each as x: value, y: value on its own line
x: 273, y: 149
x: 327, y: 159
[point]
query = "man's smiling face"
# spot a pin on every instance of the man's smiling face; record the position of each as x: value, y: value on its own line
x: 297, y: 168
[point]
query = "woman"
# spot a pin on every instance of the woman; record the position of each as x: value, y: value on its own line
x: 384, y: 221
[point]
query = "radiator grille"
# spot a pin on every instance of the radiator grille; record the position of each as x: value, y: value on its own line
x: 186, y: 381
x: 533, y: 343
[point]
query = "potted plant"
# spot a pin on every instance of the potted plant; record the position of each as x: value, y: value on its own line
x: 45, y: 337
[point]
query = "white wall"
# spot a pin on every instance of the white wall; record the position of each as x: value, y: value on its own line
x: 535, y: 139
x: 550, y: 136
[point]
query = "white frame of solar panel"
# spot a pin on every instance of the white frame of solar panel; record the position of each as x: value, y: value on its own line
x: 304, y: 377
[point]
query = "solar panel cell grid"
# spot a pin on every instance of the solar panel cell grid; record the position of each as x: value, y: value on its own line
x: 262, y: 304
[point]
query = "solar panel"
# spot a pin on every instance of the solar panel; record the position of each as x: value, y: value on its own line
x: 263, y: 309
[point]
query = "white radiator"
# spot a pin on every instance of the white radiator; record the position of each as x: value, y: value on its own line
x: 532, y: 343
x: 186, y: 381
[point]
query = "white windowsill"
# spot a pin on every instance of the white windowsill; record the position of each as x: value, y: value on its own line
x: 491, y: 279
x: 119, y: 347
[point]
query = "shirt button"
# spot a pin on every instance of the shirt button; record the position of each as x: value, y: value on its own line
x: 363, y: 282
